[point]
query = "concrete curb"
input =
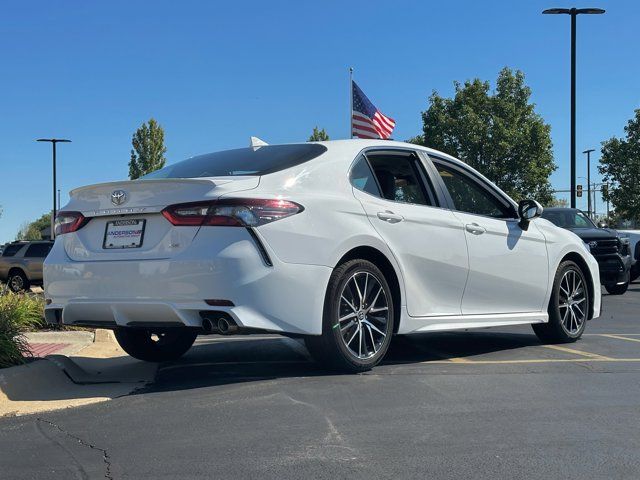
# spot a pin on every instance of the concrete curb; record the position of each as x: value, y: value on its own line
x: 98, y: 372
x: 102, y: 335
x: 60, y: 337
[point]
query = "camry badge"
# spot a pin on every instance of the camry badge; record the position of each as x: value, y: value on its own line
x: 118, y: 197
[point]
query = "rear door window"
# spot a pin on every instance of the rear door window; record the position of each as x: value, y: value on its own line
x: 363, y: 178
x: 399, y: 178
x: 39, y: 250
x: 11, y: 250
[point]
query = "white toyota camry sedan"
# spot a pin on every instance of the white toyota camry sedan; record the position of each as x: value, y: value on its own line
x: 343, y: 243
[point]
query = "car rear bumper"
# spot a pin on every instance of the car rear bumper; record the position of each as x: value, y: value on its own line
x: 221, y: 264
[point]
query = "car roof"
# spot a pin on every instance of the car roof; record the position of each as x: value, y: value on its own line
x: 360, y: 144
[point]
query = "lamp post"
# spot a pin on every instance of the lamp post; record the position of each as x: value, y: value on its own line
x: 574, y: 12
x: 588, y: 152
x: 53, y: 141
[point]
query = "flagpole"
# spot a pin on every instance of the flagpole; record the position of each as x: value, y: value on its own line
x: 350, y: 102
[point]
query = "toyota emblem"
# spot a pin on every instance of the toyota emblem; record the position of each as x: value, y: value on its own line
x: 593, y: 244
x: 118, y: 197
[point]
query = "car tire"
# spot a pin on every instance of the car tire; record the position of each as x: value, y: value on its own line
x: 635, y: 272
x: 617, y: 289
x: 155, y: 346
x: 358, y: 319
x: 18, y: 281
x: 568, y: 306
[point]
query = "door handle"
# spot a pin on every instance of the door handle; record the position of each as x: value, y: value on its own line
x: 474, y: 228
x: 390, y: 217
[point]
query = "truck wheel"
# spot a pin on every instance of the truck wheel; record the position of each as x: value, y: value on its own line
x: 358, y: 319
x: 568, y: 306
x: 617, y: 289
x: 155, y: 346
x: 18, y: 281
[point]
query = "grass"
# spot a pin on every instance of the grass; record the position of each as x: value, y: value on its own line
x: 19, y: 313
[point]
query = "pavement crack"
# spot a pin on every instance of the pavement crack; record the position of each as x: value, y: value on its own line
x: 105, y: 455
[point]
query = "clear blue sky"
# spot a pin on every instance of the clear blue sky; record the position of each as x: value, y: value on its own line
x: 214, y: 73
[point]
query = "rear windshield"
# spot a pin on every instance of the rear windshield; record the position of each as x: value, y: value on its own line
x: 241, y: 161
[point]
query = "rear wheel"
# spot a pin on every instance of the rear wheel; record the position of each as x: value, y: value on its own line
x: 358, y: 318
x: 18, y: 281
x: 635, y: 272
x: 568, y: 306
x: 155, y: 346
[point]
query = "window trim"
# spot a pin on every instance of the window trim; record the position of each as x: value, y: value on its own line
x: 424, y: 179
x: 480, y: 182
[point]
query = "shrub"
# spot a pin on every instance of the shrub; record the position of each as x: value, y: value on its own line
x: 18, y: 313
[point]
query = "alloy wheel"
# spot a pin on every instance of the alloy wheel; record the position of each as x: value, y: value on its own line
x: 363, y: 315
x: 16, y: 283
x: 572, y: 302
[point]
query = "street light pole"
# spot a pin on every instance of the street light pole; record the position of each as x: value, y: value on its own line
x: 53, y: 142
x: 573, y: 108
x: 574, y: 12
x: 588, y: 152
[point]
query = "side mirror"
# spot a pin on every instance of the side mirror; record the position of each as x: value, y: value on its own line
x: 527, y: 211
x: 602, y: 225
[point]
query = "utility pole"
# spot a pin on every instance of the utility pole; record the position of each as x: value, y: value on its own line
x: 588, y: 152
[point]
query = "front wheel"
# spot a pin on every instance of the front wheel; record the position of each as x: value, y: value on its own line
x: 155, y: 346
x: 617, y: 289
x: 568, y: 307
x: 358, y: 318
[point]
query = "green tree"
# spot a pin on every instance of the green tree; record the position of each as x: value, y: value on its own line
x: 620, y: 168
x: 318, y: 135
x: 558, y: 202
x: 498, y: 133
x: 147, y: 154
x: 32, y: 230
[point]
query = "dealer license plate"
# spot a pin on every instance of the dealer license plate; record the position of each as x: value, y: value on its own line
x: 124, y: 234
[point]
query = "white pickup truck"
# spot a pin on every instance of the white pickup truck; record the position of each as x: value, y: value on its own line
x: 634, y: 239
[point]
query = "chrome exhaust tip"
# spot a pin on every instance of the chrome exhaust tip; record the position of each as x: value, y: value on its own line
x: 225, y: 327
x: 208, y: 326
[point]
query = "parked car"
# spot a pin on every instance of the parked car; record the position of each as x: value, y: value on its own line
x: 343, y: 243
x: 634, y: 245
x: 21, y: 264
x: 612, y: 251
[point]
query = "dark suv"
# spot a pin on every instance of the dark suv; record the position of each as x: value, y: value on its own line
x: 610, y: 250
x: 21, y: 264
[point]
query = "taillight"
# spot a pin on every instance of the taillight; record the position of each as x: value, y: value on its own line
x: 67, y: 222
x: 231, y: 212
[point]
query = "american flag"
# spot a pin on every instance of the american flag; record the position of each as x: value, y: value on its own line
x: 366, y: 120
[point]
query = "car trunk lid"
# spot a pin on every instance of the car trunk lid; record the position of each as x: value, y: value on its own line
x: 133, y: 209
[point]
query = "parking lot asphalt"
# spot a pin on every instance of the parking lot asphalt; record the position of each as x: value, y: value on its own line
x: 491, y: 403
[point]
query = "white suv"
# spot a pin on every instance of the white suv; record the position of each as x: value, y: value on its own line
x: 344, y: 243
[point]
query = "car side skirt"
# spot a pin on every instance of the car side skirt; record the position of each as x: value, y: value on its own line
x: 410, y: 324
